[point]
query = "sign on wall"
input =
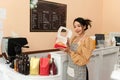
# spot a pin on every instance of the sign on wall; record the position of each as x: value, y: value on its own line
x: 46, y: 16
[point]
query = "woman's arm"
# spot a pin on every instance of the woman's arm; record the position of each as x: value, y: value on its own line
x: 83, y: 53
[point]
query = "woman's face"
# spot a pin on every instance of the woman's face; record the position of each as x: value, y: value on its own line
x: 78, y: 28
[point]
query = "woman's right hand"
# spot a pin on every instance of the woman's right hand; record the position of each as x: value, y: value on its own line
x: 68, y: 42
x: 68, y: 46
x: 67, y: 49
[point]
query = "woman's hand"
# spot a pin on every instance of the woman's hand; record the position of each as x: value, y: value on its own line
x: 68, y: 42
x: 67, y: 49
x: 68, y: 46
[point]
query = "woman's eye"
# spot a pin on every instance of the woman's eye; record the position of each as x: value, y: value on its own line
x: 74, y: 26
x: 79, y: 26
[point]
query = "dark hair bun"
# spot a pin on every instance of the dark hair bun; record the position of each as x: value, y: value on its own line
x: 84, y: 22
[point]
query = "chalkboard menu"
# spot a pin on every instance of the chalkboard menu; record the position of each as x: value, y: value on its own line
x: 47, y: 16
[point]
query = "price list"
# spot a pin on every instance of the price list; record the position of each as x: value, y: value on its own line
x: 47, y: 16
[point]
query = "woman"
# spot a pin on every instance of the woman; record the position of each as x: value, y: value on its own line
x: 79, y: 50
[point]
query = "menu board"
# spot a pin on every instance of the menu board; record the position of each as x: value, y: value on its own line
x: 47, y: 16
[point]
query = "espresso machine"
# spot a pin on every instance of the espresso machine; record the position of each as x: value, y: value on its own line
x: 12, y: 46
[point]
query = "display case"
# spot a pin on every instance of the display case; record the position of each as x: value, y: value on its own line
x: 102, y: 63
x: 7, y: 73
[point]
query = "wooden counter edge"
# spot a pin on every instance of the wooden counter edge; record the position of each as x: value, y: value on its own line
x: 38, y: 51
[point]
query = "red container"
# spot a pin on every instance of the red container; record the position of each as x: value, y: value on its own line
x: 44, y: 66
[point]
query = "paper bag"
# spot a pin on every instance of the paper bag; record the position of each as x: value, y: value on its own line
x: 62, y: 40
x: 34, y: 66
x: 44, y: 66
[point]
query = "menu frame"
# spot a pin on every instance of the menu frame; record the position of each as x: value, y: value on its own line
x: 47, y: 16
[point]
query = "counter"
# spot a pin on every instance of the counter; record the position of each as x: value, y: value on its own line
x: 102, y: 63
x: 6, y: 73
x: 100, y: 66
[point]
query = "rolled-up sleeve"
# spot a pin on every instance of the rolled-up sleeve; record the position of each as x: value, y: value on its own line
x: 83, y: 53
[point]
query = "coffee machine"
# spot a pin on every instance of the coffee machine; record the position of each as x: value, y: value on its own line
x: 12, y: 46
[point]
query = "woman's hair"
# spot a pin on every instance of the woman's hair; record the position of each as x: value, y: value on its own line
x: 84, y: 22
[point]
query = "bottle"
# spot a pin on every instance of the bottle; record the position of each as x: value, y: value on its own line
x: 53, y: 68
x: 16, y: 63
x: 21, y: 64
x: 26, y: 65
